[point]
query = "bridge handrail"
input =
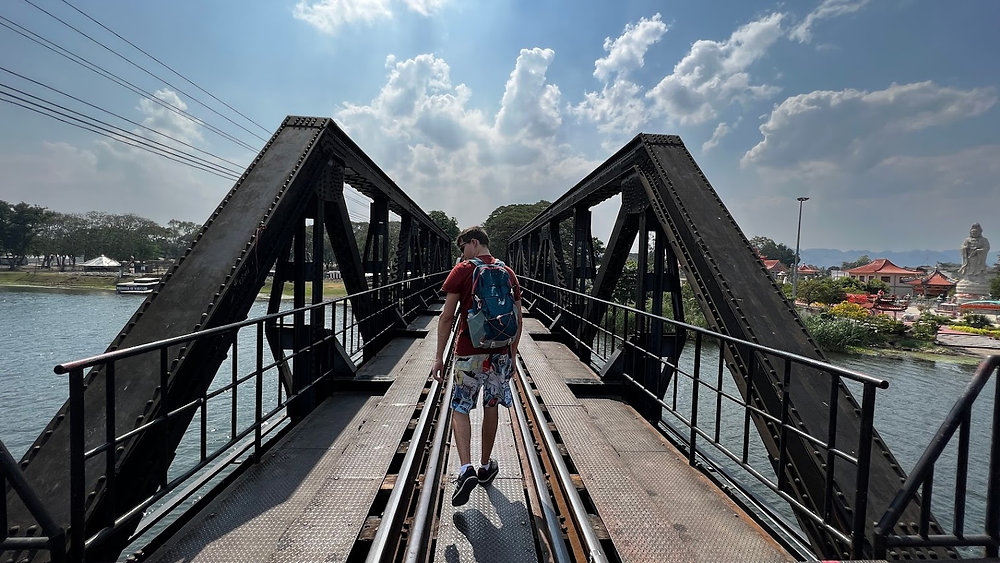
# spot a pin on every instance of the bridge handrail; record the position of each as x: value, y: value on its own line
x: 922, y: 476
x: 853, y: 537
x: 114, y: 355
x: 54, y: 538
x: 811, y: 362
x: 389, y: 297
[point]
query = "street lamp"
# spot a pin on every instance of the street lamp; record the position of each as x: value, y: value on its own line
x: 795, y: 265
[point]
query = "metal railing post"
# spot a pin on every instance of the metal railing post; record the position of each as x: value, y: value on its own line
x: 77, y: 477
x: 861, y: 479
x: 993, y: 487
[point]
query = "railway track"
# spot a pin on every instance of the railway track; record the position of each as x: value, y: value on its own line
x: 407, y: 517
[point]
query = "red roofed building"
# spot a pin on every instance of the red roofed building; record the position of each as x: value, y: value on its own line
x: 777, y: 270
x: 933, y: 285
x: 808, y: 272
x: 884, y: 270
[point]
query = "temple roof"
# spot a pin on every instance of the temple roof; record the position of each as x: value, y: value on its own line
x: 882, y: 266
x: 808, y: 269
x: 937, y: 278
x: 774, y: 265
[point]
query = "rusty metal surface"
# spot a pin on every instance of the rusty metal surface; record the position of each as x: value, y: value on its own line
x: 654, y: 506
x: 247, y: 522
x: 309, y: 498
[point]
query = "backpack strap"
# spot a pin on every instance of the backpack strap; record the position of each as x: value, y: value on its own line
x: 476, y: 274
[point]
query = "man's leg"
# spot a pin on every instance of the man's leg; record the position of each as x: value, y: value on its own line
x: 461, y: 427
x: 490, y: 416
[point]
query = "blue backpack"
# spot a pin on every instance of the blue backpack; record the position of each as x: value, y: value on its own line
x: 492, y: 319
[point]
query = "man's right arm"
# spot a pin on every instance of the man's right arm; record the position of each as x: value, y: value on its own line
x: 445, y: 321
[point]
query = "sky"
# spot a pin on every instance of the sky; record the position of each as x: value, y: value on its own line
x: 883, y: 113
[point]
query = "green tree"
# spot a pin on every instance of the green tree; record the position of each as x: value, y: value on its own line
x: 179, y: 237
x: 772, y: 250
x: 61, y: 239
x: 508, y: 219
x: 447, y: 224
x: 19, y: 225
x: 861, y: 261
x: 827, y: 291
x: 875, y: 286
x: 995, y: 287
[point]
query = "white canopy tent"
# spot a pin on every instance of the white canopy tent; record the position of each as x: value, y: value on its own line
x: 102, y: 262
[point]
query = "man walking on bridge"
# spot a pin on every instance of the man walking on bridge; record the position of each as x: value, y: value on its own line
x: 488, y: 368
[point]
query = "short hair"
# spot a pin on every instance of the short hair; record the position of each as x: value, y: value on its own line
x: 476, y: 232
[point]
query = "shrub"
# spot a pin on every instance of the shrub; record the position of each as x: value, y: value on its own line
x: 836, y: 334
x: 885, y: 326
x: 926, y: 327
x: 973, y: 330
x: 976, y: 321
x: 850, y: 311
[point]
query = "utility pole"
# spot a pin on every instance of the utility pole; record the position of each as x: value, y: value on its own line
x: 795, y: 265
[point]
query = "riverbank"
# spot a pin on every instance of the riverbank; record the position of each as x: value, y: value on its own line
x: 959, y: 349
x: 101, y: 281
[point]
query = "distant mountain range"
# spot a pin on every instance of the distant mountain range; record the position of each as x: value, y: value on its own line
x: 826, y: 257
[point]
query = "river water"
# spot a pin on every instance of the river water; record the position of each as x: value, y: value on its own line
x: 39, y: 329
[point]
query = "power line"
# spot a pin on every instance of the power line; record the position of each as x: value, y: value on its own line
x: 77, y: 119
x: 150, y: 129
x: 129, y: 61
x: 97, y: 69
x: 166, y: 66
x: 99, y: 133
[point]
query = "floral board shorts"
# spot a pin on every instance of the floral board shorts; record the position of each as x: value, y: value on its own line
x: 490, y: 372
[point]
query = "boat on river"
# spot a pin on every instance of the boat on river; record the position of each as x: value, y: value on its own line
x: 137, y: 285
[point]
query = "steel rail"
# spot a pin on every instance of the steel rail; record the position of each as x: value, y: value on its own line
x: 549, y: 513
x: 418, y: 527
x: 579, y: 512
x: 404, y: 478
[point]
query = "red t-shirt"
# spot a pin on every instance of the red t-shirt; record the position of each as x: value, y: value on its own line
x: 460, y: 281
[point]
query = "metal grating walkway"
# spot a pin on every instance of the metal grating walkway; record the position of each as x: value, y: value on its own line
x: 654, y: 505
x: 309, y: 497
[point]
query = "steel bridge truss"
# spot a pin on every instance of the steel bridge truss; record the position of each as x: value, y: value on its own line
x: 278, y: 215
x: 682, y: 226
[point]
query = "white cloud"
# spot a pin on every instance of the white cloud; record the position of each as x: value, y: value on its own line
x: 530, y: 107
x: 329, y: 15
x: 618, y: 108
x: 821, y: 131
x: 827, y: 9
x: 628, y: 51
x: 714, y: 74
x: 721, y: 130
x: 449, y: 156
x: 167, y: 120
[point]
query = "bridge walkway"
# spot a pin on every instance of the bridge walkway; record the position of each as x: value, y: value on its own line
x: 309, y: 498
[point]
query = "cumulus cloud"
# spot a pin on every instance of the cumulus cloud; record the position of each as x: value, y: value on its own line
x: 627, y: 52
x: 715, y: 74
x: 826, y: 10
x: 530, y: 106
x: 825, y: 130
x: 619, y: 107
x: 721, y: 130
x: 167, y: 117
x: 452, y: 157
